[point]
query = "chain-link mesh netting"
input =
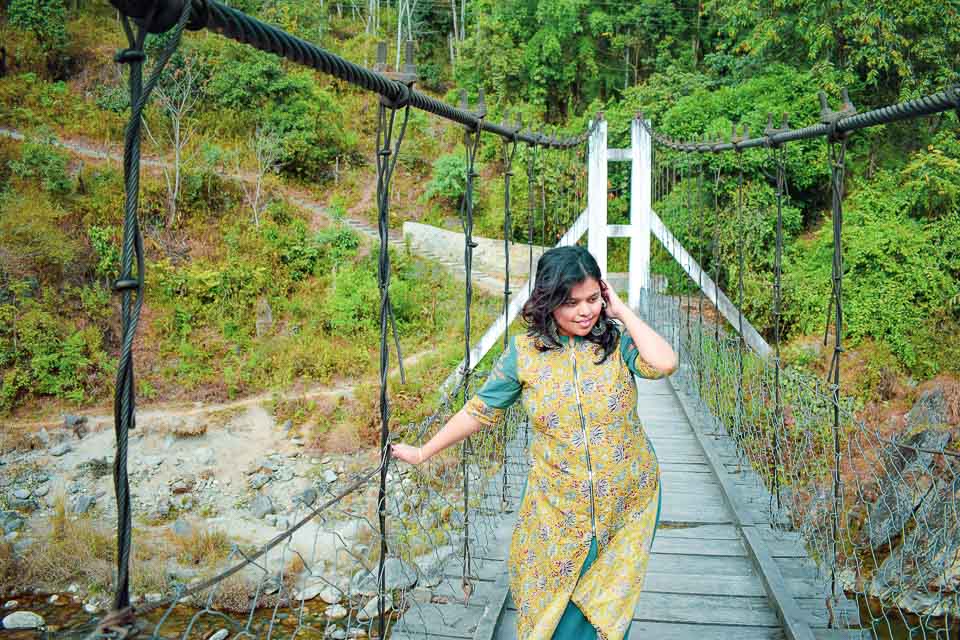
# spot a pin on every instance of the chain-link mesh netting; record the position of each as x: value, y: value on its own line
x: 876, y: 505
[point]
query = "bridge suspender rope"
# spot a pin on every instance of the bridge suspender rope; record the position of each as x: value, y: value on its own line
x: 509, y: 151
x: 130, y: 284
x: 837, y: 149
x: 387, y: 155
x: 471, y: 142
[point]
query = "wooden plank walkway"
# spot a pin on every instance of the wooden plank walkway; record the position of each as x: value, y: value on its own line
x: 717, y: 570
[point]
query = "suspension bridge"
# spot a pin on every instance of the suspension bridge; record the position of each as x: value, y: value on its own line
x: 784, y: 516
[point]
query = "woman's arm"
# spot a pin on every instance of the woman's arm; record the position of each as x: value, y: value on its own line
x: 458, y: 428
x: 651, y: 347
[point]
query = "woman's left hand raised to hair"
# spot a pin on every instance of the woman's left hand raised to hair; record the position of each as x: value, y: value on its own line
x: 615, y: 306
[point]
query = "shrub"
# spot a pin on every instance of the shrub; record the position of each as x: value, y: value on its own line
x: 449, y: 178
x: 41, y: 160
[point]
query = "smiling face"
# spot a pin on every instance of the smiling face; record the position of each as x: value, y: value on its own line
x: 579, y: 312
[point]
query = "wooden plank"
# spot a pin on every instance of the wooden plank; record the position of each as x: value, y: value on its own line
x: 487, y: 627
x: 795, y: 623
x: 674, y: 448
x: 729, y: 490
x: 681, y: 563
x: 705, y: 532
x: 682, y: 490
x: 698, y: 477
x: 686, y: 467
x: 699, y: 547
x: 646, y: 630
x: 701, y: 609
x: 693, y: 513
x: 703, y: 584
x: 726, y: 585
x: 443, y: 620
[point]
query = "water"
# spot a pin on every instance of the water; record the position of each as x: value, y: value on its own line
x: 66, y: 619
x: 898, y: 625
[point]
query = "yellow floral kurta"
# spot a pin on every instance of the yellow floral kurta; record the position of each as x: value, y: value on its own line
x: 593, y: 473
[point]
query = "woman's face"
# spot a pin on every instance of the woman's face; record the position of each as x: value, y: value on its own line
x: 579, y: 312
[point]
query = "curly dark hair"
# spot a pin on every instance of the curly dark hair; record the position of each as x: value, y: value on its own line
x: 558, y: 271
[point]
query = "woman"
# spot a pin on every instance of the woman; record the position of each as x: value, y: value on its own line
x: 594, y: 491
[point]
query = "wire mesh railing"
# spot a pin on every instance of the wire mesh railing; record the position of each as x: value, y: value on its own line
x: 875, y: 504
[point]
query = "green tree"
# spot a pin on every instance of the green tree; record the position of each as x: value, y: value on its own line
x: 45, y: 20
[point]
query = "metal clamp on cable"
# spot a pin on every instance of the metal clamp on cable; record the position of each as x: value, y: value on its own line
x: 159, y: 16
x: 737, y: 140
x: 128, y: 56
x: 770, y: 132
x: 832, y: 118
x: 126, y: 285
x: 404, y: 80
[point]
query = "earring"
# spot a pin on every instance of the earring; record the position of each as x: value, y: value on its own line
x: 552, y: 330
x: 599, y: 327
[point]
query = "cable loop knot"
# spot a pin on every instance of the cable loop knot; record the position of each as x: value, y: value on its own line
x: 128, y: 56
x: 401, y: 101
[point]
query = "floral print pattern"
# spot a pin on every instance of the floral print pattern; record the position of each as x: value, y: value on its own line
x: 554, y: 529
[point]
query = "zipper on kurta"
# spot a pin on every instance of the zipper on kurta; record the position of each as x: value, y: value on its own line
x: 586, y: 441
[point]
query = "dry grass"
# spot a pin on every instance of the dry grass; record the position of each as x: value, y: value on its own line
x: 189, y: 429
x: 9, y: 567
x: 17, y: 438
x: 201, y: 547
x: 73, y: 549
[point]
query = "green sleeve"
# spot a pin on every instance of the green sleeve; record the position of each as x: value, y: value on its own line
x: 631, y: 357
x: 501, y: 389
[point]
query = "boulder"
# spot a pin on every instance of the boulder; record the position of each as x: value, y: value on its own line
x: 84, y: 503
x: 930, y: 409
x: 925, y: 566
x: 258, y: 480
x: 372, y: 608
x: 430, y: 565
x: 336, y: 612
x: 307, y: 497
x: 23, y: 620
x: 398, y: 575
x: 70, y: 421
x: 181, y: 528
x: 905, y: 480
x: 61, y: 449
x: 261, y: 506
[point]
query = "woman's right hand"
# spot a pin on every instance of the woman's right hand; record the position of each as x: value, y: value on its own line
x: 412, y: 455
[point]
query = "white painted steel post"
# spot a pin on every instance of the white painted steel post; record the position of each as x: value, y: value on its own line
x: 641, y: 171
x: 597, y: 194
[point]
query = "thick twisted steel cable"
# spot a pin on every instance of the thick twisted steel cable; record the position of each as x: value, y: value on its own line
x: 387, y: 155
x: 946, y: 100
x: 741, y: 267
x: 509, y: 152
x: 837, y: 155
x: 125, y: 394
x: 531, y: 211
x: 778, y: 417
x: 471, y: 143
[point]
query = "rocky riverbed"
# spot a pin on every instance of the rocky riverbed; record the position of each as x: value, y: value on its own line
x: 237, y: 473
